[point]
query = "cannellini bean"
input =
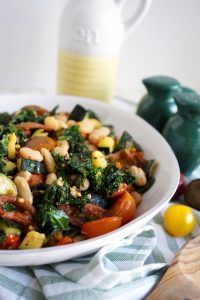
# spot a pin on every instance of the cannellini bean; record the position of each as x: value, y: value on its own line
x: 54, y: 123
x: 71, y: 123
x: 51, y: 178
x: 49, y: 160
x: 97, y: 134
x: 75, y: 192
x: 91, y: 147
x: 62, y: 148
x: 137, y: 197
x: 62, y: 116
x: 29, y: 153
x: 25, y: 174
x: 85, y: 185
x: 140, y: 176
x: 86, y: 126
x: 23, y: 189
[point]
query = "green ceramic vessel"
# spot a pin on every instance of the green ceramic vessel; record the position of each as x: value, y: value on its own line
x: 182, y: 132
x: 158, y: 105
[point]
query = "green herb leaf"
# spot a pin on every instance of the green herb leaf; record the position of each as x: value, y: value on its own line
x: 50, y: 218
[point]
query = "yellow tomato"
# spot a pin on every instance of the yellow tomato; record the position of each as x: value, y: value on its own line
x: 178, y: 220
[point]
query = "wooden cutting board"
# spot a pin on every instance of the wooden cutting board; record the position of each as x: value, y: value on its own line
x: 182, y: 279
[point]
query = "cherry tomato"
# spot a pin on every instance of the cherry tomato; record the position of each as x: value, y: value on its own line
x: 124, y: 207
x: 178, y: 220
x: 101, y: 226
x: 36, y: 179
x: 181, y: 187
x: 11, y: 242
x: 39, y: 142
x: 120, y: 191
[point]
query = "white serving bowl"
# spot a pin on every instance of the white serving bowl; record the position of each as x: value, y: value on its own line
x: 154, y: 146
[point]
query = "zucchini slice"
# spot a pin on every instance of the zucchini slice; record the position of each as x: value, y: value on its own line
x: 143, y: 189
x: 9, y: 168
x: 127, y: 141
x: 78, y: 113
x: 32, y: 240
x: 7, y: 186
x: 31, y: 166
x: 149, y: 167
x: 9, y: 230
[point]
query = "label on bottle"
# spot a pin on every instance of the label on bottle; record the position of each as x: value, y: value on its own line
x: 87, y: 76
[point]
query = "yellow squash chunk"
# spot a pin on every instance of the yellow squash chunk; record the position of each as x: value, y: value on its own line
x: 7, y: 186
x: 33, y: 240
x: 99, y: 160
x: 12, y: 139
x: 107, y: 142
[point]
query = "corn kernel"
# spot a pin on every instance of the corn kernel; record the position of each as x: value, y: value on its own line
x: 107, y: 142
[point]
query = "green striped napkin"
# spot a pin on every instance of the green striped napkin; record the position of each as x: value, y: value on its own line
x: 129, y: 268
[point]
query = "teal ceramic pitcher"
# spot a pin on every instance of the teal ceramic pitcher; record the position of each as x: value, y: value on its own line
x: 182, y: 132
x: 158, y: 105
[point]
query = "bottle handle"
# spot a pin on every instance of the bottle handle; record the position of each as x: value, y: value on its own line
x: 134, y: 20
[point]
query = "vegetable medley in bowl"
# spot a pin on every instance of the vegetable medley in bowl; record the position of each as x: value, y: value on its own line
x: 66, y: 177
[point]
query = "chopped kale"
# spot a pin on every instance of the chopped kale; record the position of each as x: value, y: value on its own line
x: 61, y: 194
x: 74, y: 138
x: 4, y: 132
x: 79, y: 163
x: 57, y: 194
x: 7, y: 130
x: 61, y: 164
x: 96, y: 178
x: 3, y: 145
x: 113, y: 177
x: 50, y: 218
x: 27, y: 115
x: 21, y: 136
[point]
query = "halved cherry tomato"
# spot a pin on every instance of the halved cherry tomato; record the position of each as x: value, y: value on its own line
x: 39, y: 142
x: 11, y: 242
x: 101, y: 226
x: 120, y: 191
x: 36, y: 179
x: 124, y: 207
